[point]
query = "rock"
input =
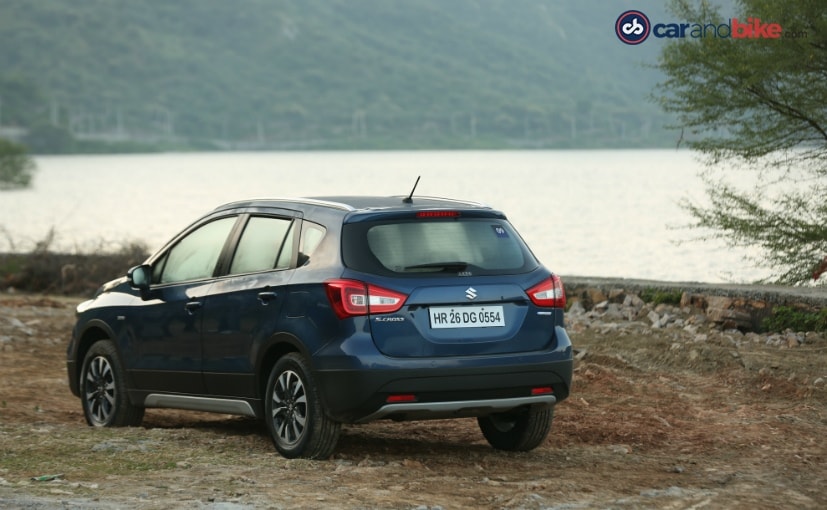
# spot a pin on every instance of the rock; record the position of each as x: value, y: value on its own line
x: 20, y: 326
x: 671, y: 492
x: 596, y: 295
x: 811, y: 337
x: 614, y: 312
x: 697, y: 319
x: 693, y: 301
x: 654, y: 318
x: 17, y: 323
x: 722, y: 310
x: 621, y: 449
x: 792, y: 340
x: 633, y: 301
x: 663, y: 308
x: 576, y: 308
x: 617, y: 295
x: 722, y: 478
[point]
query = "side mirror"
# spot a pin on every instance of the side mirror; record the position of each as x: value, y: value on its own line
x: 139, y: 277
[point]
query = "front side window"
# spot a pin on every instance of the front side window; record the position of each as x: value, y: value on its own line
x: 194, y: 257
x: 264, y: 245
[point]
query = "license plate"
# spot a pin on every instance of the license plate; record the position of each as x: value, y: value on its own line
x: 444, y: 317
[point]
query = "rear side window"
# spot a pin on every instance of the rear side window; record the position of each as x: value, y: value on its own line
x: 312, y: 235
x: 477, y: 246
x: 261, y: 245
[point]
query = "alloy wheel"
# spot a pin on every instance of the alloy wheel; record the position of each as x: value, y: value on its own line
x: 289, y: 412
x: 100, y: 391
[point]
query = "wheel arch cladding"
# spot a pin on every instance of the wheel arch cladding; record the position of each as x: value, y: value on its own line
x: 278, y: 347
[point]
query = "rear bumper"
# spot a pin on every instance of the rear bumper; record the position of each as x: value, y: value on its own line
x: 457, y: 408
x: 355, y: 388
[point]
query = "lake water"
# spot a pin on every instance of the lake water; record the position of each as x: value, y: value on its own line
x: 591, y: 213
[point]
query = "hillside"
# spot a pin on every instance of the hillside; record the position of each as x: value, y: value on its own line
x: 313, y: 73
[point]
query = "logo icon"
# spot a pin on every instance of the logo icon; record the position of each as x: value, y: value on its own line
x: 471, y: 293
x: 632, y: 27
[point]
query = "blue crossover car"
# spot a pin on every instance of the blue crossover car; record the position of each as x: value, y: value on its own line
x: 313, y: 312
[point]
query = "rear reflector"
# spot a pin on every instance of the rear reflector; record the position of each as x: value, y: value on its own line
x: 350, y: 298
x: 396, y: 399
x: 548, y: 293
x: 543, y: 390
x: 437, y: 214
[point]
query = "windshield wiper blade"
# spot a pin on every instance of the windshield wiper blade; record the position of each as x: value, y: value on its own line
x: 446, y: 266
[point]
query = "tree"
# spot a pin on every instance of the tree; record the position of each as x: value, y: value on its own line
x: 16, y: 167
x: 755, y: 108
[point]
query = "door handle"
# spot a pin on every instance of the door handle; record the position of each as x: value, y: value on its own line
x: 192, y: 306
x: 266, y: 296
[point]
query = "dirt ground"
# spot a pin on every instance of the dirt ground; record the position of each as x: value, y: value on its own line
x: 658, y: 418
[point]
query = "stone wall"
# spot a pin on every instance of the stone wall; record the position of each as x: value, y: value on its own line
x: 729, y: 306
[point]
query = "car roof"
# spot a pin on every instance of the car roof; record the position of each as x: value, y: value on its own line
x: 356, y: 203
x: 400, y: 202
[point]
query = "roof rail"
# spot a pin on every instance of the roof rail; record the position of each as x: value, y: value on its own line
x: 296, y: 200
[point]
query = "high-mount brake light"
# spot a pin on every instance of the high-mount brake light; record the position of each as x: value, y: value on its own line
x: 549, y: 293
x: 350, y: 298
x: 437, y: 214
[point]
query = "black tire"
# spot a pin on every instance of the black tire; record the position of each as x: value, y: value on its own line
x: 294, y: 413
x: 517, y: 431
x: 103, y: 389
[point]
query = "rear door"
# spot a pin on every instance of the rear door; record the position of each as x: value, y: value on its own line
x: 466, y: 280
x: 244, y: 306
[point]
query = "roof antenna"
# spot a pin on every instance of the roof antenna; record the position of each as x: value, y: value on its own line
x: 409, y: 198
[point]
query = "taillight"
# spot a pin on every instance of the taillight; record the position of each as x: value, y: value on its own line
x: 548, y: 293
x: 350, y: 298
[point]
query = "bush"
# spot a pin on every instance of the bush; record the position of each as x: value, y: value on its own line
x: 787, y: 317
x: 656, y: 297
x: 43, y: 270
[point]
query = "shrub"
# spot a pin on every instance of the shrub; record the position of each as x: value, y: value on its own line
x: 787, y: 317
x: 656, y: 297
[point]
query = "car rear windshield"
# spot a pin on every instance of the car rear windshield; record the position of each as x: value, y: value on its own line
x: 445, y: 246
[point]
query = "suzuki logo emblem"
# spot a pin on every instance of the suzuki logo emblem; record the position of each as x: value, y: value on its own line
x: 471, y: 293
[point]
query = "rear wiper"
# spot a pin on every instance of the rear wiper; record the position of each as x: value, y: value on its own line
x: 445, y: 266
